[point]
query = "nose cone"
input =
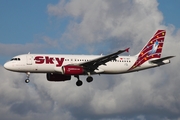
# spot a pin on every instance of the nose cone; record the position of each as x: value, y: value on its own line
x: 7, y: 66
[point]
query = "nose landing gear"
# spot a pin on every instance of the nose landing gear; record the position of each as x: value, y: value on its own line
x: 27, y: 79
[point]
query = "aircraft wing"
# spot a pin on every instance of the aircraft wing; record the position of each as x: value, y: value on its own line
x: 95, y: 63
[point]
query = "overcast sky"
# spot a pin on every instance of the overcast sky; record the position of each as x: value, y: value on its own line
x: 89, y: 27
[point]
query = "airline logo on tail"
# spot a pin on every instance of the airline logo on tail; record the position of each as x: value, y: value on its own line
x: 152, y: 49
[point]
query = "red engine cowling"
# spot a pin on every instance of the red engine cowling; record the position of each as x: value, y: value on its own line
x: 57, y: 77
x: 72, y: 70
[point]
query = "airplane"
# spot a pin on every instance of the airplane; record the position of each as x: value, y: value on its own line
x: 61, y: 67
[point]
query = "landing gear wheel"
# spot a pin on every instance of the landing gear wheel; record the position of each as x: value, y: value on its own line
x: 89, y: 79
x: 27, y: 81
x: 79, y: 83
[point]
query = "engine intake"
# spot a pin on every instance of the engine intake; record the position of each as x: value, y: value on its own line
x: 72, y: 70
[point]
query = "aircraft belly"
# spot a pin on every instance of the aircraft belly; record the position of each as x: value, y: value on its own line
x: 38, y: 68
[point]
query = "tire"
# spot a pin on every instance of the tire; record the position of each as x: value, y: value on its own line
x: 27, y: 81
x: 79, y: 83
x: 89, y: 79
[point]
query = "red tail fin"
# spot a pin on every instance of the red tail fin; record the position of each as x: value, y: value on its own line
x: 152, y: 49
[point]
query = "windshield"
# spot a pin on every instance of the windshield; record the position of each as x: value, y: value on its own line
x: 15, y: 59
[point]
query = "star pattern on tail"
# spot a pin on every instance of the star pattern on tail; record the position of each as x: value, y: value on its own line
x: 152, y: 49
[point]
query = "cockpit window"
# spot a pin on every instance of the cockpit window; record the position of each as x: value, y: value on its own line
x: 15, y: 59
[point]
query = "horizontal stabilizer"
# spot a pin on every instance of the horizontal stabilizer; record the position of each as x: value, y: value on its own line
x: 161, y: 59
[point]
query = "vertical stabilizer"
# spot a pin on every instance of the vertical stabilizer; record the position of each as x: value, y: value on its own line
x: 152, y: 49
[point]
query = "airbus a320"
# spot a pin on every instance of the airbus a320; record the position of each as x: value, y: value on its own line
x: 59, y: 67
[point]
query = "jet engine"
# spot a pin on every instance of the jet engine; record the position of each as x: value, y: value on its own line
x: 72, y: 70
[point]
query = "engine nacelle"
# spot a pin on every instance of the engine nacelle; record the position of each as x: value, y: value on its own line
x: 72, y: 70
x: 57, y: 77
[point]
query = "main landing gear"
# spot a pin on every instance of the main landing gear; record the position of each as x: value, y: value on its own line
x: 79, y: 82
x: 27, y: 79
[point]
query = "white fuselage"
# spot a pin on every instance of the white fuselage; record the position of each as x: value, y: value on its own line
x: 62, y: 67
x: 52, y: 63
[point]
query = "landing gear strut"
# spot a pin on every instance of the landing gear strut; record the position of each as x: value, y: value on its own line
x: 27, y: 79
x: 79, y: 82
